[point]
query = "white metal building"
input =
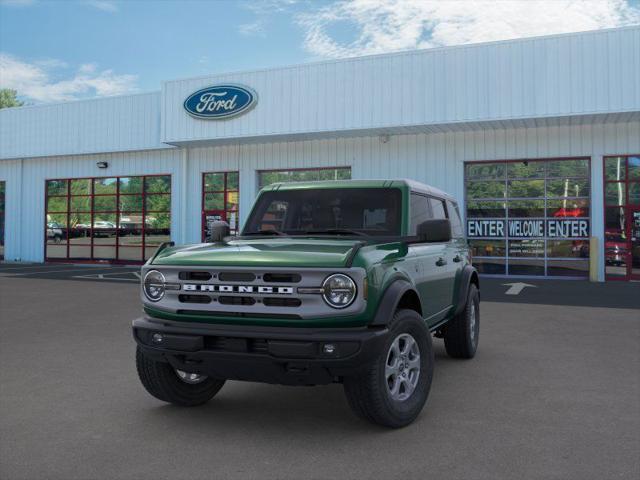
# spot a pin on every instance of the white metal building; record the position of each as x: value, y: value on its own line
x: 554, y: 120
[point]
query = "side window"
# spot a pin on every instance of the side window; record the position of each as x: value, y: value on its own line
x: 420, y: 211
x: 437, y: 207
x: 454, y: 217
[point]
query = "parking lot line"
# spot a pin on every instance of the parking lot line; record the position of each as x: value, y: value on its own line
x: 46, y: 272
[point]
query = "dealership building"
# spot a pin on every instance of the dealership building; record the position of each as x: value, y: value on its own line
x: 537, y: 138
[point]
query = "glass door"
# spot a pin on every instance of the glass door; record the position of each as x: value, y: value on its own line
x: 622, y: 217
x: 220, y: 191
x: 634, y: 240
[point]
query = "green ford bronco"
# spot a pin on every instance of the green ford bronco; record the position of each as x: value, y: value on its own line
x: 340, y: 281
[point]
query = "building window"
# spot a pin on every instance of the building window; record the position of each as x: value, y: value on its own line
x: 220, y: 195
x: 2, y: 211
x: 107, y: 219
x: 622, y: 217
x: 267, y: 177
x: 529, y: 217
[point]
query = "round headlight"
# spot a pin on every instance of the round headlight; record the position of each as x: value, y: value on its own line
x: 339, y: 290
x: 153, y: 285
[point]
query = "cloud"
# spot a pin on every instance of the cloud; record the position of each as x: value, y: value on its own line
x: 388, y: 25
x: 104, y: 5
x: 252, y: 29
x: 36, y: 81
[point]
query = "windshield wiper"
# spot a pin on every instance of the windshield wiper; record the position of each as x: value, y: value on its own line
x: 269, y: 231
x: 336, y: 231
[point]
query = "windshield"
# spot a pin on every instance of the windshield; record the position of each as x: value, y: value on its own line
x: 331, y: 211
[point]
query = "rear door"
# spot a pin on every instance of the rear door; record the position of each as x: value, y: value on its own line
x: 425, y: 263
x: 448, y: 263
x: 460, y: 250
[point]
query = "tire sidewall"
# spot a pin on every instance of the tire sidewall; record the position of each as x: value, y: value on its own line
x: 472, y: 299
x: 408, y: 321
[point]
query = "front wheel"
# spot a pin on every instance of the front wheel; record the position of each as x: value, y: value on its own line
x: 461, y: 334
x: 395, y: 386
x: 175, y: 386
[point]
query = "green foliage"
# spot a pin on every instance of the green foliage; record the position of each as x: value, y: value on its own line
x: 8, y: 98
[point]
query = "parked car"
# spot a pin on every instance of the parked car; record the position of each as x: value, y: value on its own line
x: 54, y: 232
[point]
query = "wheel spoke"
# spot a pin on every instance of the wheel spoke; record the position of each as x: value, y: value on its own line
x: 414, y: 363
x: 402, y: 367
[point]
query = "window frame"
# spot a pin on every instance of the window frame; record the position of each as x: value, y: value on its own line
x: 505, y: 178
x: 301, y: 169
x: 224, y: 193
x: 92, y: 215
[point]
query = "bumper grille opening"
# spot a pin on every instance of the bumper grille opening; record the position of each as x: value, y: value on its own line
x: 226, y: 300
x: 194, y: 299
x: 197, y: 276
x: 281, y: 277
x: 282, y: 302
x: 236, y: 277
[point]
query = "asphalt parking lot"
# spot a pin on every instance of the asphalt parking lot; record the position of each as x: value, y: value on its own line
x: 553, y: 393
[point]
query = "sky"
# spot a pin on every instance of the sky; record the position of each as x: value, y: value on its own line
x: 60, y: 50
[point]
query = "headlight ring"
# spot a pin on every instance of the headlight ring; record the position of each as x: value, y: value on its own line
x: 153, y: 285
x: 339, y: 290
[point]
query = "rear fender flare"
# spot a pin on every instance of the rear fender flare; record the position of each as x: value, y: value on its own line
x: 469, y: 275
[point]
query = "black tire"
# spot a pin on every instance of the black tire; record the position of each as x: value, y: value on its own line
x: 368, y: 394
x: 462, y: 333
x: 161, y: 380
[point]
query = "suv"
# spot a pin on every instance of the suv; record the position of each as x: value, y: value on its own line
x: 340, y: 281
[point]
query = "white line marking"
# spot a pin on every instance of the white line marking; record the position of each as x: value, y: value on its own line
x: 516, y: 288
x: 42, y: 272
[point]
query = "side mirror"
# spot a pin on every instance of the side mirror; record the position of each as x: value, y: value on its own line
x: 434, y: 231
x: 217, y: 231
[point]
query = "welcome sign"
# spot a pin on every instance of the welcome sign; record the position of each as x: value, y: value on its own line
x: 219, y: 102
x: 529, y: 228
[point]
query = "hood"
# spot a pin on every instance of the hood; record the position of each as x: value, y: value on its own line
x: 271, y: 252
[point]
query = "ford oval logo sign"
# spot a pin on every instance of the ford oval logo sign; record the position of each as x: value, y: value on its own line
x: 220, y: 101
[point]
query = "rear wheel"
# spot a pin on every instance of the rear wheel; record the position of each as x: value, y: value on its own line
x: 395, y: 386
x: 175, y: 386
x: 461, y: 334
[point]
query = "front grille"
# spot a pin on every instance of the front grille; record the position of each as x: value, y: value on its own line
x: 226, y: 300
x: 195, y: 276
x: 194, y: 299
x: 281, y: 277
x: 282, y: 302
x: 236, y: 277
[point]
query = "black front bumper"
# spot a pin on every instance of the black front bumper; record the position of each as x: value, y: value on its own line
x: 283, y: 355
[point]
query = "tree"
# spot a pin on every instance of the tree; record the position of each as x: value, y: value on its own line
x: 8, y: 98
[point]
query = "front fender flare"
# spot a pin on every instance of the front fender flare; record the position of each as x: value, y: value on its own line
x: 389, y: 302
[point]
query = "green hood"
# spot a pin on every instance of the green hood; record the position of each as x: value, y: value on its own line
x: 262, y: 252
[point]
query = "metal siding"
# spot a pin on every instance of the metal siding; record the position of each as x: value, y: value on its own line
x: 25, y: 200
x: 555, y: 76
x: 90, y: 126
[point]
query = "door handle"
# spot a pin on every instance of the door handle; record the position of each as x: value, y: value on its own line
x: 457, y: 258
x: 441, y: 262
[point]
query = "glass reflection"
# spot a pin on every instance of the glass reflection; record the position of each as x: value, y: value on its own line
x: 487, y: 248
x: 614, y: 168
x: 485, y: 171
x: 614, y: 193
x: 526, y: 169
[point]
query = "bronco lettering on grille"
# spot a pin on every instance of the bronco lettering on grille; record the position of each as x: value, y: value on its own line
x: 192, y: 287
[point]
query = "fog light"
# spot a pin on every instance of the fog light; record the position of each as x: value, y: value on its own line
x: 157, y: 338
x: 329, y: 348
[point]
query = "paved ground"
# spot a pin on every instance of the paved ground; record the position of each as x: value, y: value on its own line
x: 553, y: 393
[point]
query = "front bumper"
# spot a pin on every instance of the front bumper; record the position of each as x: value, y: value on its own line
x: 282, y: 355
